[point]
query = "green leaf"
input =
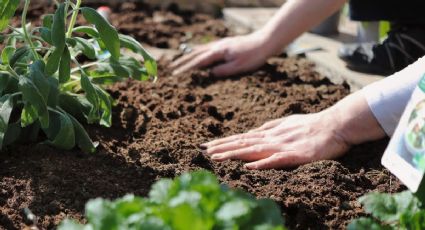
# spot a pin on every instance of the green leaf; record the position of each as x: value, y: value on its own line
x: 4, y: 81
x: 13, y: 133
x: 28, y: 115
x: 415, y: 221
x: 40, y: 80
x: 7, y: 54
x: 160, y: 191
x: 10, y: 85
x: 48, y: 21
x: 266, y: 212
x: 366, y: 224
x: 46, y: 35
x: 233, y: 210
x: 60, y: 131
x: 71, y: 225
x: 92, y: 97
x: 131, y: 43
x: 92, y: 32
x: 65, y: 66
x: 6, y: 107
x: 105, y: 105
x: 77, y: 105
x: 185, y: 217
x: 107, y: 32
x: 32, y: 95
x: 7, y: 10
x: 53, y: 98
x: 100, y: 214
x: 86, y: 47
x: 125, y: 67
x: 82, y: 139
x: 99, y: 78
x: 58, y: 28
x: 54, y: 60
x: 20, y: 54
x: 389, y: 208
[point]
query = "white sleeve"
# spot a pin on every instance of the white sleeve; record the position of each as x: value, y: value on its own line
x: 388, y: 98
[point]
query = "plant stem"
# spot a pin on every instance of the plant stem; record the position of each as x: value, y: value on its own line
x: 84, y: 66
x: 71, y: 84
x: 24, y: 28
x: 12, y: 72
x: 73, y: 18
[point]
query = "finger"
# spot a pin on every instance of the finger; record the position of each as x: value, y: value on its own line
x: 252, y: 153
x: 234, y: 145
x: 268, y: 125
x: 279, y: 160
x: 232, y: 138
x: 185, y: 58
x: 202, y: 60
x: 227, y: 69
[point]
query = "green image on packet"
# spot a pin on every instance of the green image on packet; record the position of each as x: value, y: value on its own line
x: 405, y: 154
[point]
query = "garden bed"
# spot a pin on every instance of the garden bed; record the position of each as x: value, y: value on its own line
x: 157, y: 128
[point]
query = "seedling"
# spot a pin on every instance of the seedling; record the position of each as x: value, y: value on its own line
x: 191, y: 201
x: 44, y: 89
x: 390, y: 211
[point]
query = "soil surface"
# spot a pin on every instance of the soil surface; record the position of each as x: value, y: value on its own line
x: 166, y: 29
x: 157, y: 128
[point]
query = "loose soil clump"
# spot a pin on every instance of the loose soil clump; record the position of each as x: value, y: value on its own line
x: 157, y: 128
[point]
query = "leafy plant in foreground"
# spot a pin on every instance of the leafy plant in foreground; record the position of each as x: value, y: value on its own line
x: 39, y: 89
x: 390, y: 211
x: 193, y: 201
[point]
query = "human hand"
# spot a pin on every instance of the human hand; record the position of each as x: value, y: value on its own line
x: 239, y: 54
x: 284, y: 142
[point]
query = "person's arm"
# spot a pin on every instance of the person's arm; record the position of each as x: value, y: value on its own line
x: 301, y: 139
x: 294, y: 18
x: 389, y: 97
x: 366, y: 115
x: 245, y: 53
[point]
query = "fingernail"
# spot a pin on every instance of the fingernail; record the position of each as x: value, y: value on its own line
x: 249, y: 166
x: 216, y: 157
x: 176, y: 72
x: 203, y: 146
x: 204, y: 151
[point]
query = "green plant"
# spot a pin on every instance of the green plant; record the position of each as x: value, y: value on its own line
x: 390, y: 211
x: 39, y: 89
x: 192, y: 201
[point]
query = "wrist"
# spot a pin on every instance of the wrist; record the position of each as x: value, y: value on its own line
x: 266, y: 43
x: 354, y: 120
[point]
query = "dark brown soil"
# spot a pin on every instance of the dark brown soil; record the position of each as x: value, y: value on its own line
x: 166, y: 29
x: 156, y: 133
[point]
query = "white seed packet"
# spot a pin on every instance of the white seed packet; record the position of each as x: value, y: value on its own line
x: 405, y: 154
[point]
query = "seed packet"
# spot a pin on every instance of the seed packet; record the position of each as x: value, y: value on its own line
x: 405, y: 154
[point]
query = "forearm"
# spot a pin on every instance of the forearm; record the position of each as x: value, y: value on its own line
x: 375, y: 111
x: 294, y: 18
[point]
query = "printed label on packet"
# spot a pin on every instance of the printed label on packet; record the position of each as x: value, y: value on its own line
x: 405, y: 154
